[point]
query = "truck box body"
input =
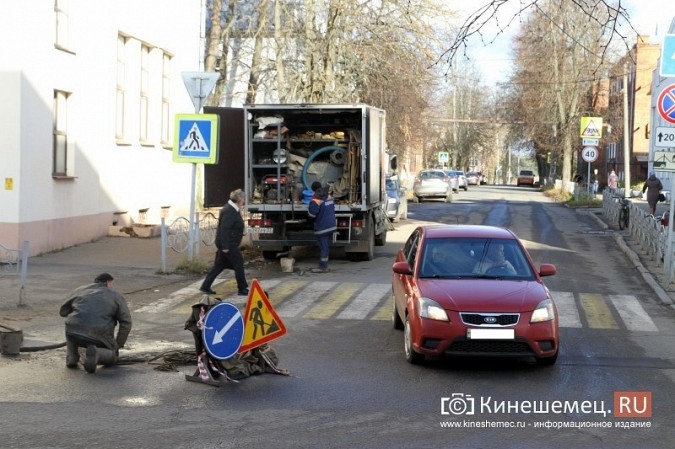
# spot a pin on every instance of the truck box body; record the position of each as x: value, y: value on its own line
x: 288, y: 147
x: 291, y: 146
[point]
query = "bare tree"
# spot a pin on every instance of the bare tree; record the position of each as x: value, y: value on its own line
x: 610, y: 17
x: 556, y: 65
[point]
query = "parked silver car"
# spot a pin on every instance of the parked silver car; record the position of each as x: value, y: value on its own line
x: 454, y: 180
x: 397, y: 202
x: 432, y: 183
x: 463, y: 183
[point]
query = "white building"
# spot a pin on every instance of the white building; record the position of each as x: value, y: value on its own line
x: 88, y: 92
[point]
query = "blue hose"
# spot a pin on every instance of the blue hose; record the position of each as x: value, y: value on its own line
x: 311, y: 158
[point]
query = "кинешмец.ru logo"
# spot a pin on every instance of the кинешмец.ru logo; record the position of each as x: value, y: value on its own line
x: 457, y: 404
x: 627, y: 404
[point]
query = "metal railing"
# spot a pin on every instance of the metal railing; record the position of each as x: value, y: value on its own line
x: 648, y: 231
x: 176, y: 234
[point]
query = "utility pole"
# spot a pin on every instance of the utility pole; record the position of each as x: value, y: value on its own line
x: 626, y: 136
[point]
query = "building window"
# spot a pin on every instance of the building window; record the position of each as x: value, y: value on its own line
x: 166, y: 93
x: 61, y: 10
x: 145, y: 93
x: 61, y: 158
x: 120, y: 128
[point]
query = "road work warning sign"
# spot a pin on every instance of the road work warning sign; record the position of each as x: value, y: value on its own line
x: 261, y: 322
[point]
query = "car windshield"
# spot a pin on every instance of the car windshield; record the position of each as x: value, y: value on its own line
x: 391, y: 184
x: 463, y: 258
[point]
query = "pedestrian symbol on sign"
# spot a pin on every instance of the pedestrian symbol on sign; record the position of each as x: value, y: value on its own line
x: 194, y: 140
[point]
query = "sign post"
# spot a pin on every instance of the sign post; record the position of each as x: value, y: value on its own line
x: 589, y: 154
x: 199, y: 85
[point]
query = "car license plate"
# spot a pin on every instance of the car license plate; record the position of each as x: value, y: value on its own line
x: 260, y: 230
x: 490, y: 334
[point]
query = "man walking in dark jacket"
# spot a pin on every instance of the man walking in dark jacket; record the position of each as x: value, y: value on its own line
x: 92, y: 312
x: 228, y: 238
x: 322, y: 209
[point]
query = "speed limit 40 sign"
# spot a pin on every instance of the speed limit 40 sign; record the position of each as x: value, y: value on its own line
x: 589, y: 154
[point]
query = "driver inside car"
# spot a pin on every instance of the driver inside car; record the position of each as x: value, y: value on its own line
x: 494, y: 262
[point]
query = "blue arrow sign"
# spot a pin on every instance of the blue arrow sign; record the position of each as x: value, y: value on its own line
x: 668, y: 56
x: 223, y: 331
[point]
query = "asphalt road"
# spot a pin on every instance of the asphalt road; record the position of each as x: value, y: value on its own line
x: 350, y: 385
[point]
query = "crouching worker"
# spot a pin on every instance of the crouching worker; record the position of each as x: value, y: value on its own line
x: 92, y: 312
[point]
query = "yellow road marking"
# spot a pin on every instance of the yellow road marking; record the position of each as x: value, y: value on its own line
x: 284, y: 290
x: 333, y: 301
x: 598, y: 313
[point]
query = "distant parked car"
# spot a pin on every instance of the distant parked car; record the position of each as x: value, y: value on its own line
x: 432, y: 183
x: 454, y: 180
x: 473, y: 178
x: 397, y: 203
x: 525, y: 178
x: 463, y: 183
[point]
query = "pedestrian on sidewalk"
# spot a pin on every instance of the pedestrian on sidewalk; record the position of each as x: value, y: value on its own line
x: 92, y: 312
x: 653, y: 187
x: 612, y: 182
x: 322, y: 209
x: 228, y: 238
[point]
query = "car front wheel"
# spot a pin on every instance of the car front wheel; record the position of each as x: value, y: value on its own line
x: 410, y: 355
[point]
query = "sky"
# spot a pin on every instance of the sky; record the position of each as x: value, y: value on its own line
x: 494, y: 60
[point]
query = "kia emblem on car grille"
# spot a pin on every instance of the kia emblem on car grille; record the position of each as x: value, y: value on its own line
x: 490, y: 319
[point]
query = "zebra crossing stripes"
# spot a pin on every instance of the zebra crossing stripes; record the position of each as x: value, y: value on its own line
x: 327, y: 307
x: 632, y: 313
x: 568, y: 313
x: 304, y: 298
x: 597, y: 312
x: 296, y: 298
x: 364, y: 302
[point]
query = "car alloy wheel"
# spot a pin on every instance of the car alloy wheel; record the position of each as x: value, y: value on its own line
x: 410, y: 354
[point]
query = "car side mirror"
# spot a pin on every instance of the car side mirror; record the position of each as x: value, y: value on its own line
x: 402, y: 268
x: 547, y: 269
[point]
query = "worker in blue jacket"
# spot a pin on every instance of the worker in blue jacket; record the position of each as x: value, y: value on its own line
x: 322, y: 210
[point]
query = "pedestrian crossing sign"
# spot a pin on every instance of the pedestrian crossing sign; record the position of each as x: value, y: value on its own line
x: 591, y: 127
x: 261, y: 322
x: 196, y: 138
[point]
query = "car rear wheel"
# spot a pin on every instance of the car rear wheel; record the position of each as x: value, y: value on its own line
x: 395, y: 318
x: 410, y: 355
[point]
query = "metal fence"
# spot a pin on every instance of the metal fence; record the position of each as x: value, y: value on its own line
x: 177, y: 234
x: 647, y: 230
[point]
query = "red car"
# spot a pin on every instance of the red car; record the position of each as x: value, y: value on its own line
x: 469, y: 290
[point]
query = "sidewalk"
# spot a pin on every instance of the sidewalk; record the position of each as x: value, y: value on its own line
x: 135, y: 263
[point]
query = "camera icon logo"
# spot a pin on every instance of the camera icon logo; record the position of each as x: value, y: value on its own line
x: 457, y: 404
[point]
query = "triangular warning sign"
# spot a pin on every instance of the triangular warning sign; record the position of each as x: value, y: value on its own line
x: 591, y: 130
x: 261, y: 322
x: 194, y: 141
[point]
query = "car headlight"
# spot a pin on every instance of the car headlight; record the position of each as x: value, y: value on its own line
x: 543, y: 312
x: 430, y: 309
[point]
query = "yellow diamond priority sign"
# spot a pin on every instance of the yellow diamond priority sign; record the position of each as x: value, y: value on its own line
x: 261, y: 322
